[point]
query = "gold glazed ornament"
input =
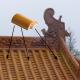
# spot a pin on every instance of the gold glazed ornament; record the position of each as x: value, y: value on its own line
x: 23, y: 21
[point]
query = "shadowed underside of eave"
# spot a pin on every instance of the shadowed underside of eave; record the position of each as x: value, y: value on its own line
x: 41, y: 65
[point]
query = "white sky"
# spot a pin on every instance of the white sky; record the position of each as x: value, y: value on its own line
x: 34, y: 9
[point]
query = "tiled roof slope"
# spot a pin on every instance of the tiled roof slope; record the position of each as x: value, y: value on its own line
x: 41, y: 65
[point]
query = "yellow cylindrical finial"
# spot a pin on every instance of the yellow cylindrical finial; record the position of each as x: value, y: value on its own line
x: 23, y: 21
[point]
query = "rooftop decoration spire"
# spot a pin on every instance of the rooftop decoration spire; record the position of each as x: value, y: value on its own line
x: 56, y: 28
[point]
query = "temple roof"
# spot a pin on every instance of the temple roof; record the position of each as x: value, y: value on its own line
x: 39, y: 58
x: 41, y: 65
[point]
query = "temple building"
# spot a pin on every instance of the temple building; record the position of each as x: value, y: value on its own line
x: 39, y: 58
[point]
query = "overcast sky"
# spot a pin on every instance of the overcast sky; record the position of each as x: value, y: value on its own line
x: 34, y: 9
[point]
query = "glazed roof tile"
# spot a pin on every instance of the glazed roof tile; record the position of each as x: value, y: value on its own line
x: 41, y: 65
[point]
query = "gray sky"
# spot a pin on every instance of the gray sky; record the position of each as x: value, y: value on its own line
x: 34, y: 9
